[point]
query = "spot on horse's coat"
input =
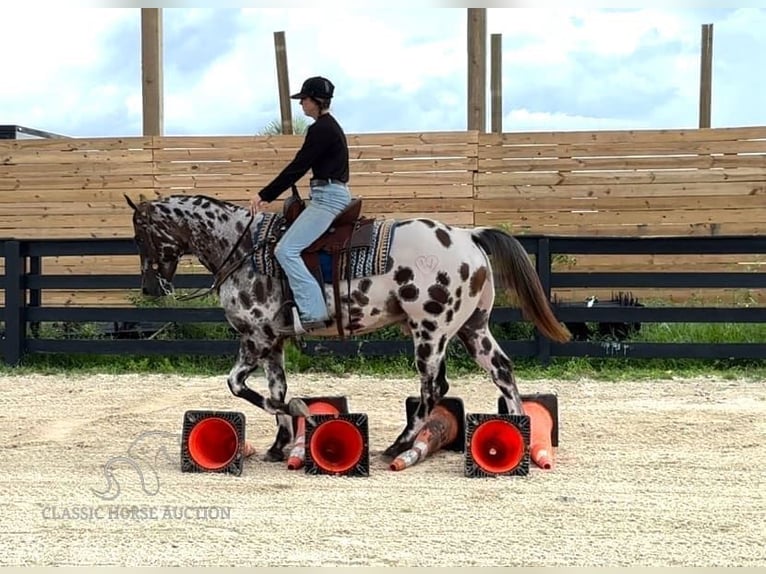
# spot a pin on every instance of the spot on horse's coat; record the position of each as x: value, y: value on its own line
x: 374, y: 311
x: 427, y: 222
x: 409, y: 292
x: 403, y: 275
x: 477, y: 281
x: 424, y: 351
x: 365, y: 284
x: 433, y: 307
x: 393, y: 307
x: 244, y: 299
x: 443, y: 278
x: 260, y: 293
x: 429, y: 325
x: 443, y: 237
x: 464, y: 271
x: 360, y: 298
x: 486, y: 345
x: 438, y: 293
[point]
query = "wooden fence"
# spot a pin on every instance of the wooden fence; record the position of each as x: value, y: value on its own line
x: 618, y: 183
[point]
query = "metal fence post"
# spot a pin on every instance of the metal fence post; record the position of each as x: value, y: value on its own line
x: 15, y: 327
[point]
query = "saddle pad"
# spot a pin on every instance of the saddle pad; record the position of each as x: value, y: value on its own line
x: 363, y: 261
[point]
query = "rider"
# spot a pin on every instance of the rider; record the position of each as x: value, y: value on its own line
x: 325, y: 152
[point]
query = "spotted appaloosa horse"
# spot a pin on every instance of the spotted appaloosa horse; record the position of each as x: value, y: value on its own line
x: 441, y: 283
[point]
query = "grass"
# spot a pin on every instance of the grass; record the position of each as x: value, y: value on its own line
x: 458, y: 363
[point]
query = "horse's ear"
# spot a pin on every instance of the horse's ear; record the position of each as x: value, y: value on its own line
x: 130, y: 202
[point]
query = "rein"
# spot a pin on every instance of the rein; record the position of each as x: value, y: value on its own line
x: 218, y: 279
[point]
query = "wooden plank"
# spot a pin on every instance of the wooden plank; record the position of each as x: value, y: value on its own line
x: 680, y: 176
x: 621, y: 230
x: 75, y: 144
x: 76, y: 157
x: 74, y: 185
x: 72, y: 209
x: 189, y: 181
x: 53, y: 172
x: 637, y: 191
x: 285, y: 155
x: 241, y: 193
x: 558, y: 164
x: 271, y: 168
x: 622, y: 149
x: 617, y: 136
x: 646, y: 217
x: 74, y: 196
x: 234, y: 142
x: 558, y: 203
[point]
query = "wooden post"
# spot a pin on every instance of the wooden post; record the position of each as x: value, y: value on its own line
x: 284, y: 82
x: 151, y: 70
x: 706, y: 75
x: 477, y: 69
x: 496, y: 82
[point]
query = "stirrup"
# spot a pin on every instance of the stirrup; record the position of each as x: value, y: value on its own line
x: 298, y: 327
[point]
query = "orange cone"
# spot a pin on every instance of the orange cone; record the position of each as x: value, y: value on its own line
x: 497, y: 446
x: 298, y: 453
x: 540, y: 427
x: 337, y: 446
x: 440, y: 429
x: 213, y: 443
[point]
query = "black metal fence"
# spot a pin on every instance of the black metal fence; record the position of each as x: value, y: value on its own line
x: 25, y: 280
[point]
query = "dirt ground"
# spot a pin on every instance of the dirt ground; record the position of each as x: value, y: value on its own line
x: 666, y: 472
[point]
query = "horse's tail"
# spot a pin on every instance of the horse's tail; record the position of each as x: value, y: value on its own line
x: 513, y: 270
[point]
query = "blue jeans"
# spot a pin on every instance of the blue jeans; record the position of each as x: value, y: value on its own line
x: 326, y: 203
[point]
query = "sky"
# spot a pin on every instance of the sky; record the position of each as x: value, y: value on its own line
x: 76, y: 71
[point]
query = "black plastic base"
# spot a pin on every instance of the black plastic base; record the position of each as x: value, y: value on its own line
x: 474, y: 421
x: 193, y: 418
x: 359, y: 420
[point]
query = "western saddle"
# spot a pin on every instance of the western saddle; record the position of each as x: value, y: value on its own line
x: 348, y: 231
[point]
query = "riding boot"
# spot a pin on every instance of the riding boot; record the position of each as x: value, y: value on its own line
x: 298, y: 327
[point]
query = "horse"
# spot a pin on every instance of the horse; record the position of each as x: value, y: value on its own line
x: 436, y: 281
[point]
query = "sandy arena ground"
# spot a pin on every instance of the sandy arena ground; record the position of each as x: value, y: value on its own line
x: 647, y: 473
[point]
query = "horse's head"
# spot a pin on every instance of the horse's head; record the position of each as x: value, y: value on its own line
x: 160, y: 246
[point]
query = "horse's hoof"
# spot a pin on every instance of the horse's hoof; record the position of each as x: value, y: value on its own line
x: 274, y: 455
x: 298, y: 408
x: 393, y: 451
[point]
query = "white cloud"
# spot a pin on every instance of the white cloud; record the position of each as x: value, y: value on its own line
x: 397, y: 69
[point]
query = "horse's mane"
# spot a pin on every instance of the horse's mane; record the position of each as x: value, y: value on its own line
x: 214, y: 200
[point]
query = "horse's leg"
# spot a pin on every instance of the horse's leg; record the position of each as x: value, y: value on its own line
x: 430, y: 351
x: 484, y: 349
x: 249, y: 357
x: 274, y: 368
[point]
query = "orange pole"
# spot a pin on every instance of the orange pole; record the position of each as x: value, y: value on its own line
x: 439, y: 430
x: 540, y: 425
x: 298, y: 453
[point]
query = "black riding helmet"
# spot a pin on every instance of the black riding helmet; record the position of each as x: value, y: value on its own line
x: 316, y: 87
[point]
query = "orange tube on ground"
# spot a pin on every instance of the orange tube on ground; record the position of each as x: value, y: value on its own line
x: 298, y: 453
x: 439, y: 430
x: 540, y: 425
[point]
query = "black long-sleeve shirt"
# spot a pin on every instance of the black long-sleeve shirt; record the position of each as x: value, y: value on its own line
x: 324, y: 151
